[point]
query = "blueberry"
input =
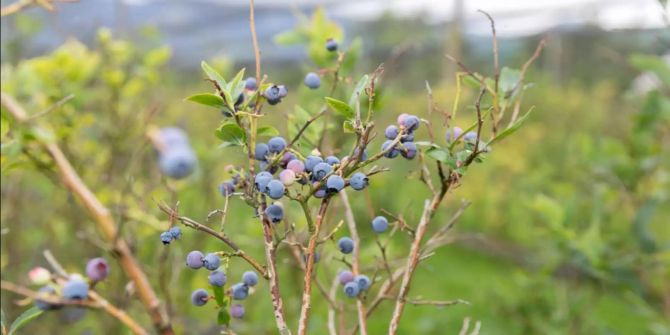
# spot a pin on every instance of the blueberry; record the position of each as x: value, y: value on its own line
x: 282, y: 91
x: 274, y: 189
x: 226, y: 112
x: 265, y: 166
x: 345, y: 277
x: 321, y: 170
x: 470, y: 136
x: 240, y: 100
x: 312, y: 80
x: 194, y: 259
x: 332, y: 160
x: 261, y: 151
x: 39, y: 276
x: 237, y: 311
x: 240, y: 291
x: 250, y: 84
x: 346, y: 245
x: 363, y: 157
x: 311, y: 162
x: 227, y: 188
x: 199, y: 297
x: 380, y: 224
x: 275, y: 213
x: 407, y: 138
x: 401, y: 118
x: 97, y: 269
x: 288, y: 156
x: 390, y: 153
x: 408, y: 150
x: 75, y: 288
x: 334, y: 184
x: 358, y: 181
x: 410, y: 123
x: 287, y: 177
x: 43, y: 305
x: 211, y: 261
x: 453, y: 134
x: 331, y: 45
x: 173, y: 137
x: 296, y: 165
x: 166, y: 237
x: 351, y: 289
x: 250, y: 278
x: 363, y: 282
x: 178, y: 162
x: 175, y: 232
x: 217, y: 278
x: 262, y: 179
x: 276, y: 144
x: 321, y: 192
x: 273, y: 94
x: 391, y: 132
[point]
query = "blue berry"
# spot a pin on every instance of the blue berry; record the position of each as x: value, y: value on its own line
x: 282, y: 91
x: 173, y: 137
x: 363, y: 282
x: 277, y: 144
x: 288, y: 156
x: 274, y: 94
x: 178, y: 162
x: 240, y: 291
x: 470, y: 136
x: 227, y: 188
x: 332, y: 160
x: 166, y: 237
x: 391, y: 132
x: 262, y: 179
x: 296, y: 166
x: 410, y: 123
x: 380, y: 224
x: 346, y: 245
x: 250, y: 278
x: 211, y: 261
x: 250, y: 84
x: 239, y: 101
x: 452, y: 135
x: 407, y: 138
x: 408, y: 150
x: 97, y: 269
x: 351, y: 289
x: 261, y: 151
x: 334, y: 184
x: 175, y: 232
x: 217, y: 278
x: 199, y: 297
x: 275, y: 189
x: 358, y: 181
x: 237, y: 311
x: 75, y: 288
x: 275, y: 213
x: 345, y: 277
x: 390, y: 153
x: 287, y: 177
x: 321, y: 170
x: 321, y: 192
x: 311, y: 162
x: 194, y: 259
x: 312, y: 80
x: 43, y: 305
x: 331, y: 45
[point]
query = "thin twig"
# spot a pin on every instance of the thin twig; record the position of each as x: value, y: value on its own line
x: 355, y: 257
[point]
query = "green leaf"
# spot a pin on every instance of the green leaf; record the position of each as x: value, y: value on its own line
x: 207, y: 99
x: 508, y: 80
x: 267, y: 131
x: 223, y: 318
x: 355, y: 96
x: 3, y: 322
x: 291, y: 37
x: 219, y: 295
x: 472, y: 82
x: 640, y: 225
x: 438, y: 154
x: 213, y: 74
x: 4, y: 126
x: 23, y: 319
x: 231, y: 134
x: 340, y: 107
x: 348, y: 126
x: 236, y: 85
x: 512, y: 128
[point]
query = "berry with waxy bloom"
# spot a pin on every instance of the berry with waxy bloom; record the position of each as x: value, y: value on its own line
x: 275, y: 213
x: 334, y: 184
x: 345, y: 277
x: 194, y: 259
x: 250, y: 278
x: 346, y: 245
x: 275, y: 189
x: 358, y: 181
x: 211, y: 261
x: 217, y: 278
x: 351, y: 289
x: 39, y: 276
x: 97, y: 269
x: 321, y: 170
x: 380, y: 224
x: 199, y: 297
x: 363, y: 282
x: 276, y: 144
x: 287, y: 177
x: 75, y: 289
x: 312, y: 80
x: 331, y: 45
x: 239, y: 291
x: 391, y: 132
x: 311, y: 162
x: 237, y: 311
x: 296, y: 166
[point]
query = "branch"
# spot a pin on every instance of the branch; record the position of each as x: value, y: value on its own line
x: 104, y: 220
x: 351, y: 222
x: 480, y: 124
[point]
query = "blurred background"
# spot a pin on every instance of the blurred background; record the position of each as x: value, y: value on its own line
x: 568, y: 231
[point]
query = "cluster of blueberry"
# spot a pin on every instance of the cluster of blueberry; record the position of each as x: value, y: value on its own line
x: 217, y: 278
x: 407, y: 125
x: 177, y: 158
x: 174, y: 233
x: 75, y: 288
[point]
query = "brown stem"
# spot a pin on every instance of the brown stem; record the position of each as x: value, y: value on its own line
x: 309, y: 268
x: 271, y: 259
x: 105, y: 222
x: 351, y: 222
